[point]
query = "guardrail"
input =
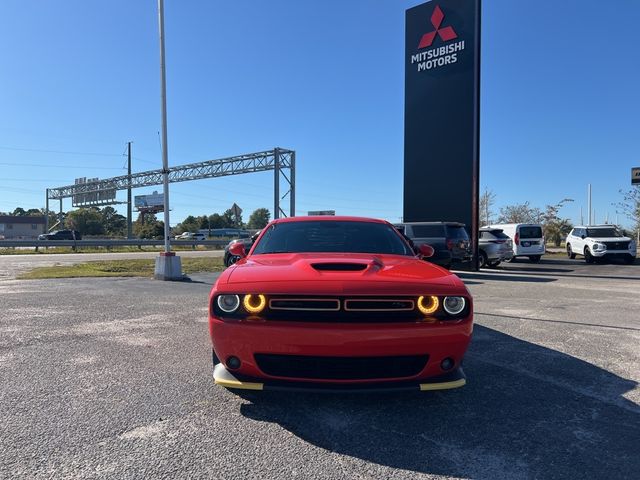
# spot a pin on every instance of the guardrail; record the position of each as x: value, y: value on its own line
x: 107, y: 243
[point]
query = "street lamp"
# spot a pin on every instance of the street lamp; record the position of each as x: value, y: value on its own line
x: 168, y: 265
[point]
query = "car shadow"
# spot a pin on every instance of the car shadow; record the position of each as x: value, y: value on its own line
x: 469, y: 277
x: 526, y: 412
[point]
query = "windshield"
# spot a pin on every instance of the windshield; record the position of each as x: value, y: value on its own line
x: 603, y: 232
x: 530, y: 232
x: 332, y: 236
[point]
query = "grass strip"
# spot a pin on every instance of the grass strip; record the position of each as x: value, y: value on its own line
x: 120, y: 268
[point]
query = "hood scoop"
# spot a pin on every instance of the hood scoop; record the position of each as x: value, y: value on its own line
x: 339, y: 267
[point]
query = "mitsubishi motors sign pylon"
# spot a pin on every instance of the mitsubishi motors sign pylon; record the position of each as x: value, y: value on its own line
x: 442, y: 113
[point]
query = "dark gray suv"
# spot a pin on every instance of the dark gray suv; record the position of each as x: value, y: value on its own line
x: 449, y: 240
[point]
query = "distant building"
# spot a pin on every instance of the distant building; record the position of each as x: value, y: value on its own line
x: 16, y: 228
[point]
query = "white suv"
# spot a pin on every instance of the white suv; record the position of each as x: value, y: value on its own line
x: 600, y: 241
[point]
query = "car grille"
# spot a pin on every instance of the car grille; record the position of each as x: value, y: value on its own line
x: 617, y: 245
x: 340, y: 368
x: 305, y: 304
x: 342, y: 309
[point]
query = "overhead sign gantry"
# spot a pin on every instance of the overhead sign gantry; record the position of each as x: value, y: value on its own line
x: 281, y: 160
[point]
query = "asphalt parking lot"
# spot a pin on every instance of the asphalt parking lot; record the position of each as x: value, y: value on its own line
x: 111, y: 378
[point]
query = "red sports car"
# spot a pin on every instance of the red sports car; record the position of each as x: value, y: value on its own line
x: 337, y: 303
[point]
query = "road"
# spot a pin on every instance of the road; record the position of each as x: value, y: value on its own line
x: 111, y: 378
x: 13, y: 265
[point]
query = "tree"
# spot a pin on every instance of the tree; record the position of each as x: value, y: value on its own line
x: 259, y: 219
x: 114, y: 224
x: 216, y: 221
x: 88, y: 221
x: 487, y: 199
x: 556, y: 228
x: 189, y: 224
x: 630, y: 207
x: 521, y: 213
x: 19, y: 212
x: 149, y: 228
x: 232, y: 220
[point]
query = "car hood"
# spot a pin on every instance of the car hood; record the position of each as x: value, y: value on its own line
x: 338, y: 273
x: 609, y: 239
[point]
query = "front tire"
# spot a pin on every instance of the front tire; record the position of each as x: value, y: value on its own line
x: 629, y: 259
x: 570, y: 253
x: 587, y: 256
x: 482, y: 259
x: 535, y: 258
x: 493, y: 264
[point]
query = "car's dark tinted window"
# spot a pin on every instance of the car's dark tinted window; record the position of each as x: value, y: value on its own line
x: 332, y: 236
x: 457, y: 233
x: 425, y: 231
x: 530, y: 232
x: 494, y: 235
x: 603, y: 232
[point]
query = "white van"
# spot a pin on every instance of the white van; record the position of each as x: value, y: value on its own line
x: 528, y: 239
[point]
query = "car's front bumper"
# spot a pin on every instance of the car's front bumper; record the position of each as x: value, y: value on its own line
x: 224, y: 378
x: 323, y: 345
x: 612, y: 253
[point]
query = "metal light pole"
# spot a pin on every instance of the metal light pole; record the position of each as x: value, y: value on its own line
x: 168, y: 266
x: 163, y: 100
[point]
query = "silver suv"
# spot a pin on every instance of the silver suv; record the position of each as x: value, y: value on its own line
x: 597, y: 242
x: 494, y: 246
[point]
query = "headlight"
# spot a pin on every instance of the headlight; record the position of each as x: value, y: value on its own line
x: 228, y: 303
x: 428, y: 304
x: 254, y: 303
x: 454, y: 305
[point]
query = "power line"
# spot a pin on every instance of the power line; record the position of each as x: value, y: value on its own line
x: 8, y: 164
x: 65, y: 152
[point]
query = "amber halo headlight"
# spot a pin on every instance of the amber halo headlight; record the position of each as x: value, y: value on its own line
x: 428, y: 304
x: 228, y: 303
x: 454, y: 305
x: 254, y: 303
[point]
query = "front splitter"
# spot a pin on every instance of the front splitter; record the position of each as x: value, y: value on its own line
x: 225, y: 378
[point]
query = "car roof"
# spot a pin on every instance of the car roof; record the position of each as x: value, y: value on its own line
x: 328, y: 218
x: 607, y: 225
x: 501, y: 225
x: 449, y: 224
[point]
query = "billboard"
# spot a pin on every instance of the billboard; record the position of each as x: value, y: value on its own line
x: 441, y: 136
x: 85, y: 193
x: 635, y: 176
x: 313, y: 213
x: 154, y: 201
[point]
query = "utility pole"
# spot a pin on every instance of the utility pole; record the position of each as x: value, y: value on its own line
x: 589, y: 212
x: 46, y: 213
x: 129, y: 228
x: 168, y: 265
x: 276, y: 183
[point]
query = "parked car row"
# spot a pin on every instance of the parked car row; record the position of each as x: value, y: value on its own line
x: 496, y: 243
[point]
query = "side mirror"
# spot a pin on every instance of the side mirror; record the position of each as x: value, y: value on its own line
x: 238, y: 250
x: 426, y: 251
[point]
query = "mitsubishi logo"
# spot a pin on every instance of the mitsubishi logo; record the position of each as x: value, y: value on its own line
x: 445, y: 33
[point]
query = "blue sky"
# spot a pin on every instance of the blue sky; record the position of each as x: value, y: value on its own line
x: 560, y: 99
